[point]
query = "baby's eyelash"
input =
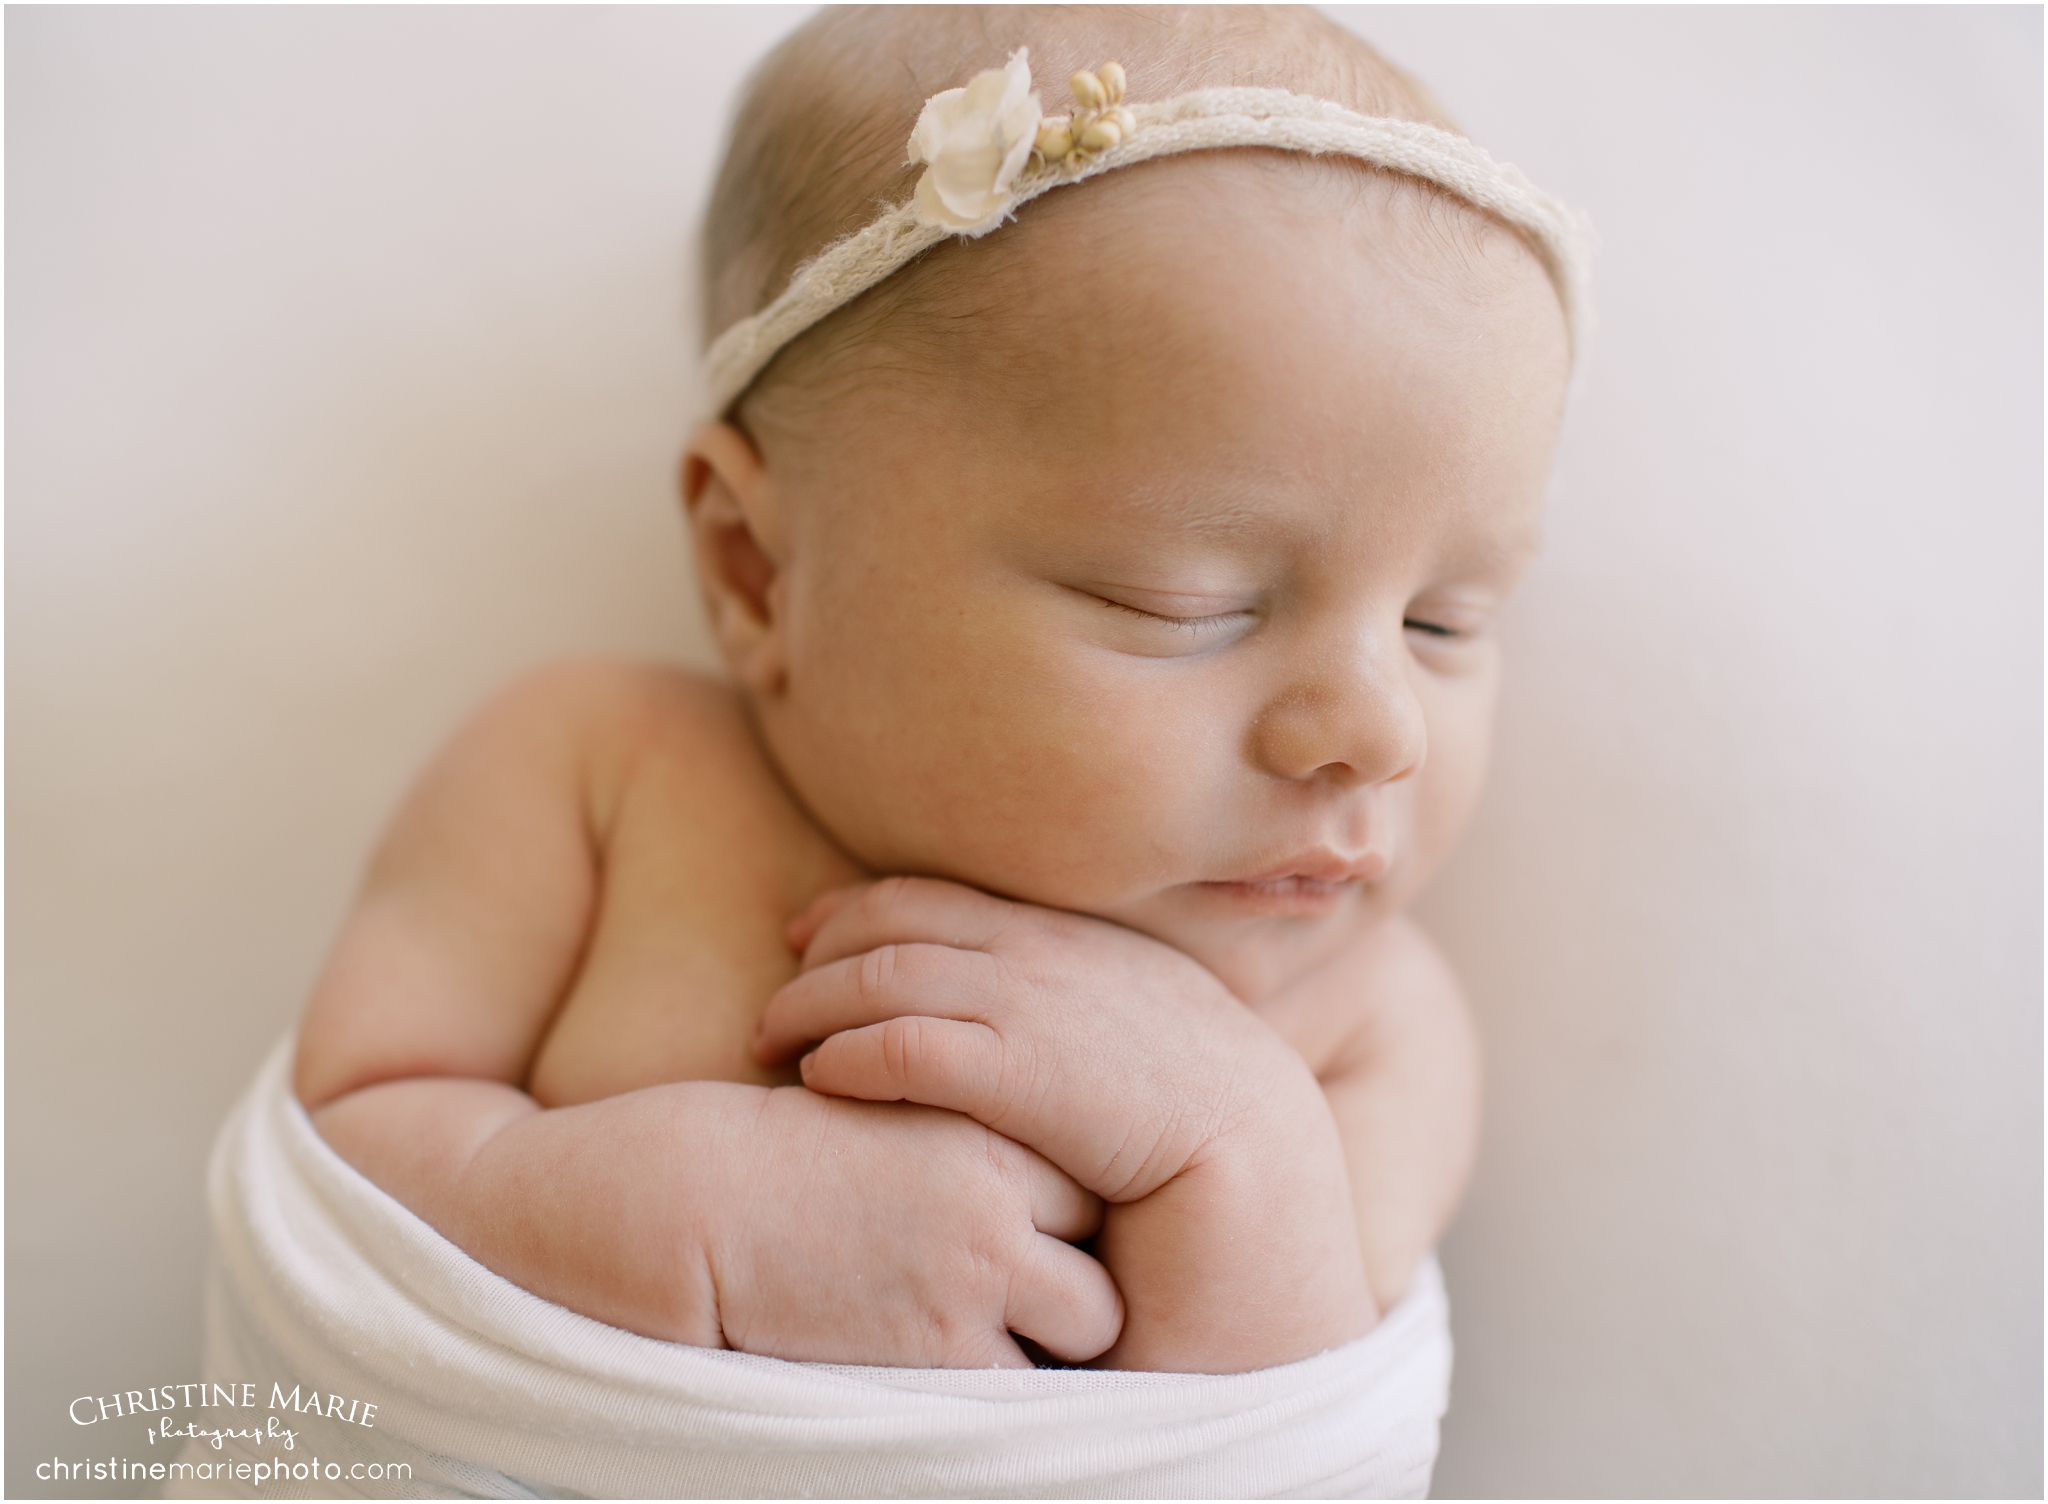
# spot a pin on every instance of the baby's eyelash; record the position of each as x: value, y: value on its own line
x: 1183, y: 623
x: 1434, y: 629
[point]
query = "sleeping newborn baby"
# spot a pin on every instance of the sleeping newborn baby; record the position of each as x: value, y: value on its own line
x: 1009, y: 956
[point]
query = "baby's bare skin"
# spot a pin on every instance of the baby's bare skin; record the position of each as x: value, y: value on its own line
x: 527, y: 841
x: 643, y: 794
x: 1157, y: 703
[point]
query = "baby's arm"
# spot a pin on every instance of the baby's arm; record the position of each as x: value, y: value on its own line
x: 1230, y: 1230
x: 1132, y: 1069
x: 1399, y: 1063
x: 703, y: 1212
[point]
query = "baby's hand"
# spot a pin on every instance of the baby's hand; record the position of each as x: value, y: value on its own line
x: 903, y: 1236
x: 1126, y: 1064
x: 1116, y: 1057
x: 777, y: 1222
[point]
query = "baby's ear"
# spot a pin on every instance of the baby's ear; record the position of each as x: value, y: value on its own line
x: 737, y: 529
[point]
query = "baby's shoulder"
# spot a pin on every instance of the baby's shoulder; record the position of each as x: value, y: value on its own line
x: 676, y: 786
x: 606, y: 701
x: 601, y: 723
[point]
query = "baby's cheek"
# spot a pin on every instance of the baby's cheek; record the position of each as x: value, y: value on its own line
x: 965, y: 734
x: 1095, y: 788
x: 1454, y: 776
x: 1091, y: 801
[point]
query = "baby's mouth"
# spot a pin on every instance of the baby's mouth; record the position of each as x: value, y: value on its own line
x: 1292, y: 895
x: 1314, y: 885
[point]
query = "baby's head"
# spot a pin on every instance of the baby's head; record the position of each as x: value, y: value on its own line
x: 1143, y: 556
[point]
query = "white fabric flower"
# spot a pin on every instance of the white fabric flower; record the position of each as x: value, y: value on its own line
x: 975, y: 141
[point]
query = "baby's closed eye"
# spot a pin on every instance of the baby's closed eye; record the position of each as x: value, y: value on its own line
x: 1193, y: 622
x: 1165, y: 623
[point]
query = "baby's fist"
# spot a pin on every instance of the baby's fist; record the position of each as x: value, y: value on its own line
x: 1116, y: 1057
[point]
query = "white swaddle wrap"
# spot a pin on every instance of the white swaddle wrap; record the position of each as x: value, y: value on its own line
x: 322, y: 1283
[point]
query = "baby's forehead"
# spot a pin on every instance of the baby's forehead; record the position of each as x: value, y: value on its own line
x: 1128, y: 363
x: 1252, y: 445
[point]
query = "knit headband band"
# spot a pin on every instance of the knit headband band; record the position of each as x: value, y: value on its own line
x: 988, y: 149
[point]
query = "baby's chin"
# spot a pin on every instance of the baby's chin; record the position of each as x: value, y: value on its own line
x: 1258, y: 937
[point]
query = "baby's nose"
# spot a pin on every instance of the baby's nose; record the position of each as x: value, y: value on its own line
x: 1355, y: 719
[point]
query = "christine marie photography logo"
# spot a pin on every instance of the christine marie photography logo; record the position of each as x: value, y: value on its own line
x: 250, y: 1425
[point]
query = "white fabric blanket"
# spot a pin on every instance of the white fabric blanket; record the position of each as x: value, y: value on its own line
x: 322, y: 1283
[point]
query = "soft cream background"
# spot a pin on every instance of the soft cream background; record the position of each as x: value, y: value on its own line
x: 347, y: 362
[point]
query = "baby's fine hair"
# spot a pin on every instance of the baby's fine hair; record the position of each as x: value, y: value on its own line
x: 817, y: 147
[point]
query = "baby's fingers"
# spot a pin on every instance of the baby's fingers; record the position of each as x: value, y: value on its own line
x: 940, y: 1062
x: 886, y: 982
x: 1065, y: 1302
x: 900, y: 910
x: 1058, y: 1204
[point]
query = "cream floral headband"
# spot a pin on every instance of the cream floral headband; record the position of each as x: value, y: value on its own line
x: 987, y: 148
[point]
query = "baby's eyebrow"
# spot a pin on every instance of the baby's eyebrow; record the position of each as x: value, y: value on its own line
x: 1240, y: 510
x: 1221, y: 513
